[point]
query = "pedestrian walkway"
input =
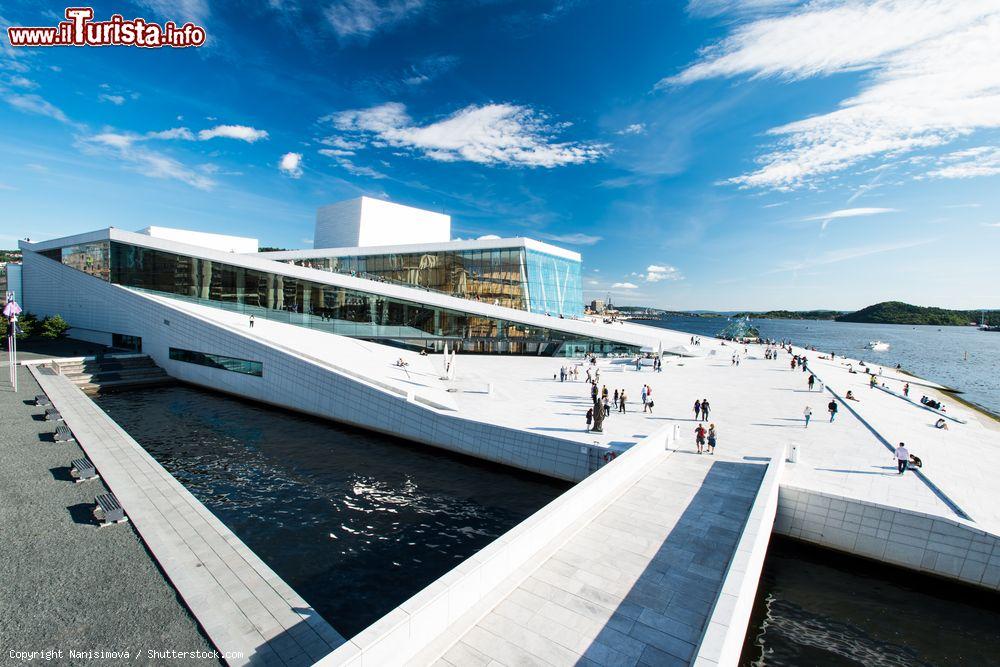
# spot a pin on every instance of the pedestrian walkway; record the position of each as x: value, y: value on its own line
x: 244, y: 608
x: 637, y: 584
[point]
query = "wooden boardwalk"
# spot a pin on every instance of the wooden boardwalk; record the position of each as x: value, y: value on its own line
x: 245, y: 609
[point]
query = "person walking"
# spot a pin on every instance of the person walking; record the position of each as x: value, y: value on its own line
x: 607, y: 406
x: 902, y: 458
x: 807, y: 413
x: 832, y: 408
x: 812, y: 381
x: 593, y: 392
x: 590, y: 417
x: 704, y: 409
x: 712, y: 438
x: 604, y: 392
x: 699, y: 438
x: 906, y: 390
x: 697, y: 408
x: 251, y: 321
x: 642, y: 396
x: 621, y: 402
x: 616, y: 399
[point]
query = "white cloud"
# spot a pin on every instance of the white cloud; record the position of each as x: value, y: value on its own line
x: 656, y: 272
x: 931, y: 77
x: 573, y: 239
x: 126, y: 147
x: 117, y: 100
x: 624, y: 286
x: 291, y: 164
x: 241, y: 132
x: 20, y: 82
x: 634, y: 128
x: 489, y: 134
x: 980, y: 161
x: 360, y: 19
x: 172, y: 133
x: 32, y: 103
x: 850, y: 213
x: 991, y: 224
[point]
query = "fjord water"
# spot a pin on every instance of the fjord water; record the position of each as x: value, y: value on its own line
x: 934, y: 353
x: 820, y: 607
x: 355, y: 522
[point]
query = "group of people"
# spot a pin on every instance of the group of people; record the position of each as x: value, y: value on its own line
x: 571, y: 373
x: 701, y: 409
x: 931, y: 403
x: 831, y: 407
x: 703, y: 438
x: 905, y: 459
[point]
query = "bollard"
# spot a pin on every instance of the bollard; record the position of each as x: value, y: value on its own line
x: 793, y: 453
x: 489, y: 389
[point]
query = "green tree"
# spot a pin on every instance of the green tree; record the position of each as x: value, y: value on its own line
x: 28, y: 324
x: 54, y: 327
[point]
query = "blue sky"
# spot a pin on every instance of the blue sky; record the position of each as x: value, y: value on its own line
x: 714, y: 154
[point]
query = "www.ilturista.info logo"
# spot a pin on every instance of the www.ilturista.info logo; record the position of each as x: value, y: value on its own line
x: 79, y: 29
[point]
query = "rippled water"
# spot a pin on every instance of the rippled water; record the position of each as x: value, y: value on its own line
x: 962, y: 358
x: 819, y: 607
x: 355, y: 522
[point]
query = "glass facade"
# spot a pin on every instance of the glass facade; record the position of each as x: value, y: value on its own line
x: 218, y: 361
x: 510, y: 277
x: 327, y: 307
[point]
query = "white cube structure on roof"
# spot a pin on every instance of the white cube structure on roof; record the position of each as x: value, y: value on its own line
x: 364, y: 222
x: 221, y: 242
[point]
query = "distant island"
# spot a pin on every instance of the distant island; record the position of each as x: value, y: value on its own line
x: 887, y: 312
x: 897, y: 312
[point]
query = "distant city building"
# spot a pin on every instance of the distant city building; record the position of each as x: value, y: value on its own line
x: 597, y: 306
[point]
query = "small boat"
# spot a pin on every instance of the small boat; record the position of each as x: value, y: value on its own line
x: 877, y: 346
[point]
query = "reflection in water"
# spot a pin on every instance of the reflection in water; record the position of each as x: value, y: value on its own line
x: 354, y: 521
x: 819, y: 607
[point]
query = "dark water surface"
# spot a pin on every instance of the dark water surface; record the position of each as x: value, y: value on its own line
x: 819, y: 607
x: 962, y: 358
x: 355, y: 522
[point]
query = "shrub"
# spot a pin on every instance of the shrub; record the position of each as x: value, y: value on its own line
x: 28, y: 324
x: 54, y: 327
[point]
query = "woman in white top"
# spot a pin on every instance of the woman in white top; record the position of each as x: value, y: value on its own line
x: 808, y: 413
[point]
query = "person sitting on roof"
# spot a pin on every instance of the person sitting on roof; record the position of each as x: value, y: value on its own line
x: 915, y: 461
x: 941, y: 424
x: 850, y: 396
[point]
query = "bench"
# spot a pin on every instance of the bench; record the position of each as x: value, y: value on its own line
x: 63, y: 434
x: 52, y: 415
x: 42, y: 400
x: 82, y: 470
x: 108, y: 510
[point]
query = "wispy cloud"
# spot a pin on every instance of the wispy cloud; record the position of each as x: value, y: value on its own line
x: 849, y: 213
x: 624, y: 286
x: 572, y: 239
x: 291, y: 165
x: 117, y: 100
x: 241, y: 132
x: 979, y: 161
x: 428, y: 69
x: 360, y: 19
x: 179, y: 11
x: 490, y: 134
x: 31, y: 103
x: 718, y: 7
x: 139, y: 158
x: 846, y: 254
x: 991, y: 224
x: 173, y: 133
x: 932, y: 78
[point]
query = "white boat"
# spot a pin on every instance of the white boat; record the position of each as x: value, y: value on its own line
x: 877, y: 345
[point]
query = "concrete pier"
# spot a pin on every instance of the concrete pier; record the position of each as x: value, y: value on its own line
x: 244, y: 608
